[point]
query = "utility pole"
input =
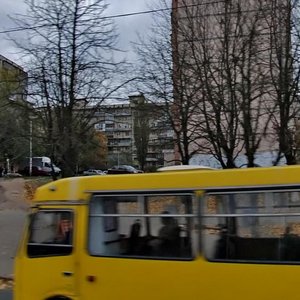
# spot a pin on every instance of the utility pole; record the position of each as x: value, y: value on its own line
x: 30, y: 147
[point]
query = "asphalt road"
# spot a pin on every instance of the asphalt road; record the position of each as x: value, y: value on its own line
x: 11, y: 227
x: 13, y: 215
x: 6, y: 295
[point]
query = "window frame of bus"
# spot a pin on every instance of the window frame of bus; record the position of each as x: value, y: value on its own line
x: 142, y: 198
x: 264, y: 192
x: 67, y: 248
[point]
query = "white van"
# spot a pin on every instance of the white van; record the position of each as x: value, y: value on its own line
x: 41, y: 166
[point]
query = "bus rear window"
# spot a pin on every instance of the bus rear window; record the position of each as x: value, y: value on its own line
x: 51, y: 233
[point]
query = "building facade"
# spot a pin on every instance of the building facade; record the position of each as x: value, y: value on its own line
x: 14, y: 78
x: 14, y: 129
x: 119, y: 122
x: 238, y: 58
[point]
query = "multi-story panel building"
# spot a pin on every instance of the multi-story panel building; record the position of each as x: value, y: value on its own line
x: 14, y: 78
x: 118, y: 121
x: 234, y: 58
x: 13, y: 96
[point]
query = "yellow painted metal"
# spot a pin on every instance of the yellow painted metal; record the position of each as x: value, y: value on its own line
x: 96, y: 278
x: 75, y: 188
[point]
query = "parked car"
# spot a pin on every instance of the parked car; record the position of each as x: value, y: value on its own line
x: 35, y: 171
x: 41, y: 166
x: 123, y: 169
x: 92, y: 172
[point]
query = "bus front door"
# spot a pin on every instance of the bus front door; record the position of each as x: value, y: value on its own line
x: 48, y: 257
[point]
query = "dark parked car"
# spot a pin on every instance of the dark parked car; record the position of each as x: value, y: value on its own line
x: 123, y: 169
x: 35, y: 171
x: 46, y: 170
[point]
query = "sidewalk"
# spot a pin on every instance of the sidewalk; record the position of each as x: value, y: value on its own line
x: 11, y: 227
x: 6, y: 295
x: 13, y: 211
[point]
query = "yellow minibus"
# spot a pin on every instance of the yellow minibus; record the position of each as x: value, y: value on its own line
x: 179, y: 234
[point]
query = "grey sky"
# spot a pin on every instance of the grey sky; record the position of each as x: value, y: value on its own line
x: 127, y: 26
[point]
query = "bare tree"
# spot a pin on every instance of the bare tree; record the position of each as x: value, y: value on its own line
x: 163, y: 83
x: 94, y: 154
x: 70, y: 50
x: 141, y: 129
x: 235, y: 77
x: 282, y: 18
x: 207, y: 32
x: 227, y: 57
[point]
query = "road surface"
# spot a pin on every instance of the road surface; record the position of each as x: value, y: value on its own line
x: 6, y: 295
x: 11, y: 224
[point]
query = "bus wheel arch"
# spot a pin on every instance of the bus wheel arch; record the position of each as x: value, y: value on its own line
x: 59, y: 298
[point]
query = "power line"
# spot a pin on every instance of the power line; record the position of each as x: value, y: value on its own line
x: 116, y: 16
x: 22, y: 29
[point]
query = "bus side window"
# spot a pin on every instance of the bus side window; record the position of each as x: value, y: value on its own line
x: 172, y: 235
x: 135, y: 232
x: 252, y: 226
x: 108, y: 233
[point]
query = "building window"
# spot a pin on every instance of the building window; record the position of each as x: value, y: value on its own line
x: 100, y: 126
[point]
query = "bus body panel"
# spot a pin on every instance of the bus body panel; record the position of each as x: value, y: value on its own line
x: 46, y: 276
x: 157, y: 279
x: 79, y: 188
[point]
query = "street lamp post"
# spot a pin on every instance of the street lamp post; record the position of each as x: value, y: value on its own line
x: 30, y: 147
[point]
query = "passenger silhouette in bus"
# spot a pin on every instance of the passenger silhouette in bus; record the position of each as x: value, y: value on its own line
x: 134, y: 237
x: 169, y: 236
x: 225, y: 246
x: 222, y: 243
x: 290, y: 246
x: 64, y: 232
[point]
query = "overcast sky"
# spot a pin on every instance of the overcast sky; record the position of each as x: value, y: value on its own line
x: 127, y: 26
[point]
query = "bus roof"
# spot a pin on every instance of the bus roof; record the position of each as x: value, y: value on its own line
x: 79, y: 188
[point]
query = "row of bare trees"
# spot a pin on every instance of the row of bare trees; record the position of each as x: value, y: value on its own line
x: 229, y: 77
x: 227, y: 73
x: 69, y: 48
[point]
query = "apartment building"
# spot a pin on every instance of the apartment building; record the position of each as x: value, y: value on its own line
x: 118, y: 123
x: 15, y: 79
x: 235, y: 59
x: 13, y: 92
